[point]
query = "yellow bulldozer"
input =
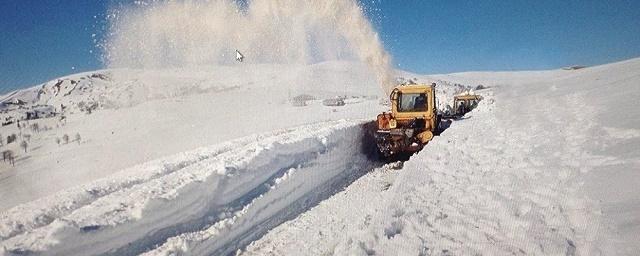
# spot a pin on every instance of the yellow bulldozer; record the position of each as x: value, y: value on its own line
x: 412, y: 122
x: 464, y: 103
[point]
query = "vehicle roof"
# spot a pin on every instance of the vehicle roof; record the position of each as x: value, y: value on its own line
x: 467, y: 97
x: 414, y: 88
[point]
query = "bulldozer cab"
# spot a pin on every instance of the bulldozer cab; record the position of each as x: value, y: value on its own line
x: 465, y: 103
x: 413, y: 102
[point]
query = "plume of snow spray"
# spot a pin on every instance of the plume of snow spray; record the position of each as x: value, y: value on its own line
x: 159, y: 34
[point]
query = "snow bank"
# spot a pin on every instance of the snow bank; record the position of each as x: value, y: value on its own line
x: 243, y: 183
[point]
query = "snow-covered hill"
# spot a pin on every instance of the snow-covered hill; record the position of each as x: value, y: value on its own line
x: 216, y: 160
x: 146, y: 114
x: 548, y: 164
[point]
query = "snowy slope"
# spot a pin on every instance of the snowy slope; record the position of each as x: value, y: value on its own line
x: 547, y: 165
x: 148, y: 114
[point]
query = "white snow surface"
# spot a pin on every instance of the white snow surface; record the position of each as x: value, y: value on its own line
x: 126, y: 213
x: 547, y: 164
x: 148, y: 114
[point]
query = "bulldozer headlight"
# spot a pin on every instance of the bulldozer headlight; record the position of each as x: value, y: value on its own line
x: 392, y: 123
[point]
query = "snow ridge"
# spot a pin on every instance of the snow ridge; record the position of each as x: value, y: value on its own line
x: 220, y: 184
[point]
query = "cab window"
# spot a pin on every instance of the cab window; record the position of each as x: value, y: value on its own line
x: 412, y: 102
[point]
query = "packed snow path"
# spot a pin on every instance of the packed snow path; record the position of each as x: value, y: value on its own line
x: 235, y: 191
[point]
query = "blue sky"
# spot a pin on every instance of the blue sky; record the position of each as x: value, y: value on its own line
x: 44, y: 39
x: 452, y: 36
